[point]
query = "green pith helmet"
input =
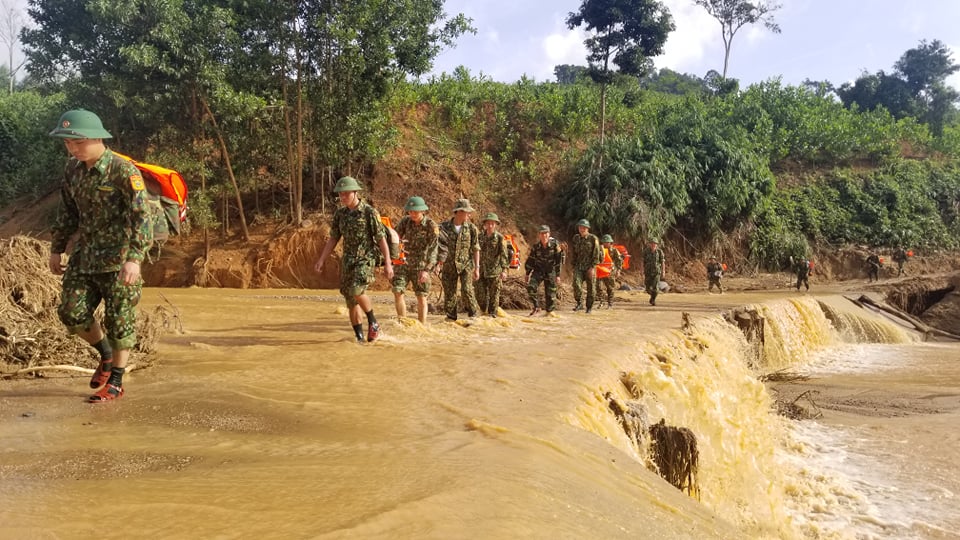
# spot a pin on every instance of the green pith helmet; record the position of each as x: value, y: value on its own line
x: 607, y: 239
x: 80, y: 124
x: 491, y: 217
x: 347, y: 183
x: 544, y: 228
x: 653, y: 240
x: 713, y: 257
x: 415, y: 204
x: 583, y: 223
x: 463, y: 205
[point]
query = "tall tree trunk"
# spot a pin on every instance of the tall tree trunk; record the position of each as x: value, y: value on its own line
x: 226, y: 160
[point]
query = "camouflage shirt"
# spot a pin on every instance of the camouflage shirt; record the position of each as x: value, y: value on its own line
x: 585, y: 252
x: 107, y: 207
x: 360, y: 232
x: 458, y: 247
x: 714, y: 270
x: 493, y: 255
x: 420, y: 242
x: 544, y: 259
x: 616, y: 257
x: 652, y: 261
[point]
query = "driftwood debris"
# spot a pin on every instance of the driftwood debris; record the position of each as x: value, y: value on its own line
x: 865, y: 300
x: 676, y: 455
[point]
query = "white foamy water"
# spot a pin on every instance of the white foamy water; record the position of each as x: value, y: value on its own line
x: 889, y: 470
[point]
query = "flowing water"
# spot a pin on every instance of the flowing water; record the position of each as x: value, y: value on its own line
x: 265, y: 419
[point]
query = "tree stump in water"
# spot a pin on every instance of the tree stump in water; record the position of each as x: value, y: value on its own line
x: 676, y: 456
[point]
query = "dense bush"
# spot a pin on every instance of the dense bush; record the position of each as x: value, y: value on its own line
x: 29, y: 160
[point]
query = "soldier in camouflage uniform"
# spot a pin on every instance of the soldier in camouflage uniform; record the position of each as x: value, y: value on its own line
x: 543, y: 265
x: 103, y: 200
x: 363, y: 235
x: 653, y: 269
x: 608, y: 270
x: 420, y: 236
x: 586, y: 254
x: 459, y: 260
x: 714, y: 274
x: 493, y: 265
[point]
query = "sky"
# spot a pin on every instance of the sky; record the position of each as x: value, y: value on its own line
x: 833, y: 40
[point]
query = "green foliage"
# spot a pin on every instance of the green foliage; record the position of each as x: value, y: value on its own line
x: 29, y: 158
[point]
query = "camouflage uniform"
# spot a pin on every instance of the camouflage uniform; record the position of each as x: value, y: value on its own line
x: 456, y: 255
x: 361, y: 232
x: 802, y: 269
x: 586, y: 253
x: 543, y: 265
x: 900, y: 257
x: 873, y: 267
x: 493, y: 262
x: 107, y: 207
x: 421, y: 244
x: 652, y: 268
x: 714, y: 273
x: 610, y: 282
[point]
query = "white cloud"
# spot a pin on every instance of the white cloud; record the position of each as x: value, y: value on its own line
x: 565, y: 47
x: 696, y: 32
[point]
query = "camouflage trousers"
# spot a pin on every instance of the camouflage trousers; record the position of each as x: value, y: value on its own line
x: 651, y: 283
x: 407, y: 273
x: 608, y: 285
x: 355, y: 276
x: 449, y: 277
x: 714, y: 281
x: 581, y: 281
x: 488, y: 294
x: 549, y: 290
x: 82, y: 293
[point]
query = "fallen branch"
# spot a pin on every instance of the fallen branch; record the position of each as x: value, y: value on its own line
x: 921, y: 326
x: 57, y: 367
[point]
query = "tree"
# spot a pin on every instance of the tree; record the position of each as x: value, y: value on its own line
x: 568, y: 73
x: 625, y: 33
x: 10, y: 25
x: 734, y: 15
x: 668, y: 81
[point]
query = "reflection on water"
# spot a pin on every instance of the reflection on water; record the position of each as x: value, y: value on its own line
x: 266, y: 419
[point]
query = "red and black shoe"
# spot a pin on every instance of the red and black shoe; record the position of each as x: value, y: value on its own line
x: 373, y: 332
x: 109, y: 392
x: 101, y: 374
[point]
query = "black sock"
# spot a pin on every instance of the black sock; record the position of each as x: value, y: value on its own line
x: 103, y: 347
x: 116, y: 376
x: 370, y: 318
x: 358, y: 330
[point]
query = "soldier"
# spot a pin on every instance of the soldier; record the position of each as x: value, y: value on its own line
x: 654, y: 268
x: 420, y: 236
x: 103, y: 200
x: 493, y: 265
x: 714, y: 273
x: 609, y: 269
x: 873, y: 267
x: 802, y: 269
x: 586, y: 254
x: 359, y: 225
x: 459, y: 260
x: 900, y: 257
x: 543, y: 265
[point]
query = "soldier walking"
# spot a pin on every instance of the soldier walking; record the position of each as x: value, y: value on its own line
x: 714, y: 273
x: 586, y: 254
x: 802, y: 269
x: 873, y: 267
x: 654, y: 268
x: 420, y: 236
x: 459, y: 260
x: 608, y: 270
x: 543, y: 266
x: 900, y: 257
x: 493, y: 265
x: 363, y: 235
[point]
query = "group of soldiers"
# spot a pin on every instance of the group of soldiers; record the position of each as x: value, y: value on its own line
x: 874, y: 262
x: 471, y: 262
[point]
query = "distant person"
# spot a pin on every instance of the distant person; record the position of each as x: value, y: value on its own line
x: 103, y: 201
x: 493, y: 265
x: 900, y: 257
x: 802, y: 269
x: 714, y: 274
x: 654, y: 268
x: 608, y: 270
x: 873, y: 267
x: 420, y: 237
x: 585, y: 255
x: 459, y: 260
x: 543, y: 266
x: 363, y: 235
